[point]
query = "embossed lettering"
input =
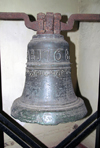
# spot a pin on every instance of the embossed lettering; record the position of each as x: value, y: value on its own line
x: 46, y: 54
x: 67, y: 54
x: 32, y: 55
x: 58, y: 54
x: 55, y: 73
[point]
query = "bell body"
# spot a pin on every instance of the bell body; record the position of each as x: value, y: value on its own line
x: 48, y: 96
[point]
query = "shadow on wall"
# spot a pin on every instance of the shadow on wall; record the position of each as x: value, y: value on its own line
x: 74, y: 65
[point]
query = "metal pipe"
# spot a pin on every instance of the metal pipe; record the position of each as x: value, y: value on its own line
x: 97, y: 142
x: 13, y: 135
x: 1, y: 132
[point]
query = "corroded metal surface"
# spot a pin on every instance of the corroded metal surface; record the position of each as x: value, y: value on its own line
x: 50, y: 23
x: 40, y: 19
x: 79, y: 18
x: 19, y: 16
x: 48, y: 96
x: 57, y: 23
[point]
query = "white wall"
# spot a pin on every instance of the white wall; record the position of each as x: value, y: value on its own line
x: 89, y: 58
x: 14, y: 37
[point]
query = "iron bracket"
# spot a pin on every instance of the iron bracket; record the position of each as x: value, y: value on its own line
x: 44, y: 24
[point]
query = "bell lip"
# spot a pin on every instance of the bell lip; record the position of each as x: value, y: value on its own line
x: 47, y: 107
x: 49, y: 117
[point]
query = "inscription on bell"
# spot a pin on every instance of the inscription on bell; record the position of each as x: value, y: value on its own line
x: 67, y: 57
x: 58, y: 54
x: 34, y: 55
x: 46, y: 55
x: 56, y: 73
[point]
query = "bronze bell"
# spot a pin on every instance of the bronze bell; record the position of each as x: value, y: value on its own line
x: 48, y: 96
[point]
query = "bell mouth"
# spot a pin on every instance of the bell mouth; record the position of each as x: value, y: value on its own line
x: 46, y: 116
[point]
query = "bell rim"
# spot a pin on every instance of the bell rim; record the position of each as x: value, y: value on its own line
x: 49, y: 117
x: 46, y: 107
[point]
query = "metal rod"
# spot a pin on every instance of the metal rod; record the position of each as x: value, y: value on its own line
x: 97, y: 142
x: 84, y: 134
x: 19, y: 16
x: 20, y: 131
x: 13, y: 136
x: 77, y: 131
x: 1, y: 139
x: 1, y: 132
x: 79, y: 18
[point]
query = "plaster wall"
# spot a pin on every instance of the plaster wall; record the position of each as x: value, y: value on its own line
x: 89, y: 58
x: 89, y: 53
x: 14, y: 37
